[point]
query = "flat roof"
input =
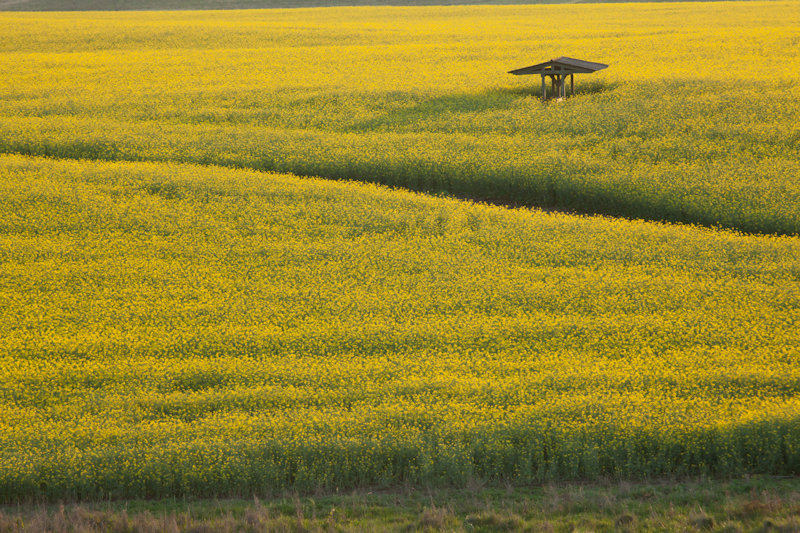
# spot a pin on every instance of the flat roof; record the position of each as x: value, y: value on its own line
x: 561, y: 65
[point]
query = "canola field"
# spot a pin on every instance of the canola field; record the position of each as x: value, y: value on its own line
x: 176, y: 329
x: 176, y: 322
x: 696, y: 120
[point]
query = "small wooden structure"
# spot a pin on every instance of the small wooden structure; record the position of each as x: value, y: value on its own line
x: 558, y: 70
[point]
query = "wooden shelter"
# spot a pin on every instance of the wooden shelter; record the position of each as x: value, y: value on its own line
x: 558, y: 70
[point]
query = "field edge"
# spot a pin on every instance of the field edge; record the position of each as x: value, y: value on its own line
x: 760, y: 503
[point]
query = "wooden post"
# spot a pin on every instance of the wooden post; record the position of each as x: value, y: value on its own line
x: 572, y: 83
x: 544, y: 90
x: 553, y: 84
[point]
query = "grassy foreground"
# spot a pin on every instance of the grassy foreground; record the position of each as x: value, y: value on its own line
x: 174, y: 330
x: 686, y: 125
x: 757, y: 505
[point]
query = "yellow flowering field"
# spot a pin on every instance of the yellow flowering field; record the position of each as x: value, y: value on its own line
x: 177, y: 321
x: 174, y: 329
x: 696, y: 120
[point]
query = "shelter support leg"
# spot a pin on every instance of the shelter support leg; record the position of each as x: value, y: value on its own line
x: 572, y: 83
x: 544, y: 89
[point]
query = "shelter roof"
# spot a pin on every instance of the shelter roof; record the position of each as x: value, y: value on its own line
x: 561, y: 65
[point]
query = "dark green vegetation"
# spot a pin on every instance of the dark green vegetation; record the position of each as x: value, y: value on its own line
x: 750, y: 505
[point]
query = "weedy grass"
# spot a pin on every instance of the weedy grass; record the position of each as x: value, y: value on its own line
x: 180, y: 330
x: 687, y: 505
x: 690, y: 123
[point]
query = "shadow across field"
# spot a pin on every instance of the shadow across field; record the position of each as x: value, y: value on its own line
x: 630, y: 150
x: 450, y: 105
x: 583, y: 87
